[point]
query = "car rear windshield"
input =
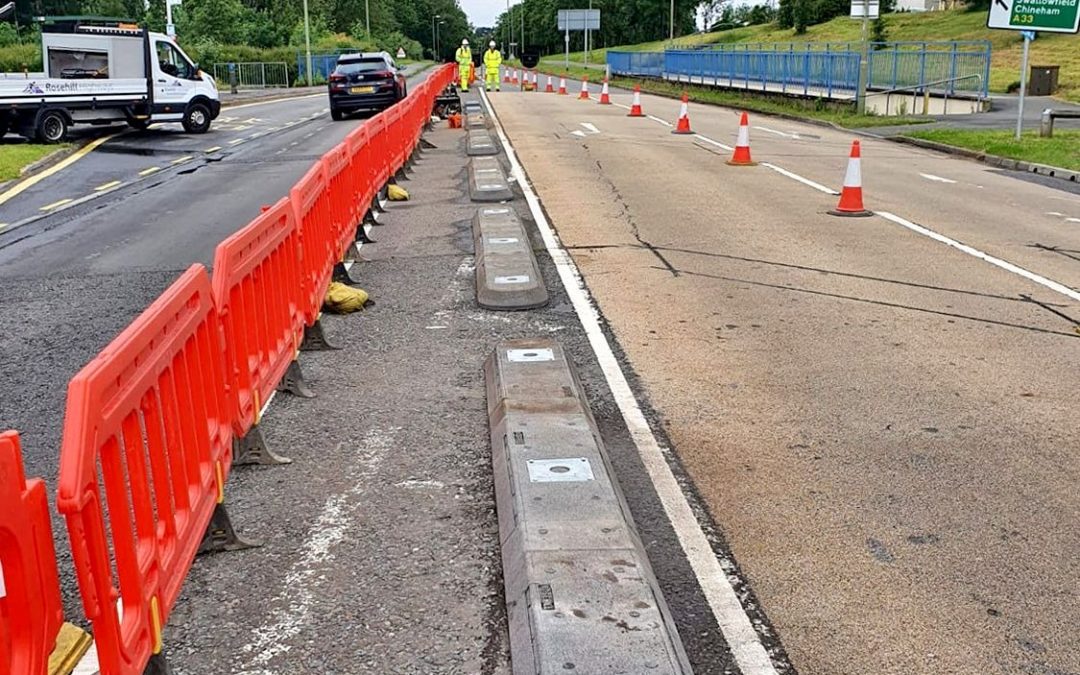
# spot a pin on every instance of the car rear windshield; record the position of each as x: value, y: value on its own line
x: 364, y: 66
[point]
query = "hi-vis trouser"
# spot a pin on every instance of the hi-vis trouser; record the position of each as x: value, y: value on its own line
x: 492, y: 79
x: 464, y: 60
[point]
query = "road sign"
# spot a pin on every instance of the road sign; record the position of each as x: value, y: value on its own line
x: 859, y: 8
x: 579, y: 19
x: 1049, y: 16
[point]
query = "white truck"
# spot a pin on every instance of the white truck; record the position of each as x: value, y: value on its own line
x: 104, y: 71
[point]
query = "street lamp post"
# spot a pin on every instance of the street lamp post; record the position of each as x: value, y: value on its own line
x: 307, y: 45
x: 671, y: 23
x: 434, y: 41
x: 367, y: 18
x: 510, y: 23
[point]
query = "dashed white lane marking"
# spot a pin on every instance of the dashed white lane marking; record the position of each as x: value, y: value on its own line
x: 785, y: 134
x: 579, y: 133
x: 805, y: 181
x: 1054, y: 213
x: 1072, y: 220
x: 657, y: 119
x: 712, y: 142
x: 936, y: 179
x: 591, y: 128
x: 972, y: 251
x: 742, y: 639
x: 236, y: 141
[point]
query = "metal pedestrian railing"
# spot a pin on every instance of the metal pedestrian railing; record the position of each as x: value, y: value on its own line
x: 252, y: 75
x: 819, y: 69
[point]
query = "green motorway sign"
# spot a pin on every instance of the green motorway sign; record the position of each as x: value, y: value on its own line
x: 1050, y: 16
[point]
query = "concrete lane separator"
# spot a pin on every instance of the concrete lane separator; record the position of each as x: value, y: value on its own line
x: 507, y: 274
x: 480, y: 144
x: 487, y: 182
x: 580, y: 594
x: 746, y: 646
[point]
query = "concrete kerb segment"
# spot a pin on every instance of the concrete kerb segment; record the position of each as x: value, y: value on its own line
x: 507, y: 275
x: 487, y: 181
x: 580, y: 592
x: 480, y: 143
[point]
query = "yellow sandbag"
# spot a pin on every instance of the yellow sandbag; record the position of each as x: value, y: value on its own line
x: 397, y: 193
x: 342, y: 299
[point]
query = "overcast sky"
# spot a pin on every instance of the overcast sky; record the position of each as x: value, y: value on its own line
x: 483, y: 12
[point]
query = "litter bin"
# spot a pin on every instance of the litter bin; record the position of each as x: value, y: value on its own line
x: 1044, y: 80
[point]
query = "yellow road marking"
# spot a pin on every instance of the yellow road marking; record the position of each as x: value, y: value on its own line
x: 59, y: 166
x: 236, y: 141
x: 213, y: 149
x: 50, y: 207
x: 181, y: 160
x: 242, y: 127
x: 147, y: 172
x: 275, y: 100
x: 108, y: 185
x: 3, y: 225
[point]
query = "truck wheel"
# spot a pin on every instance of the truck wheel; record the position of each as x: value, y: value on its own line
x: 196, y: 119
x: 5, y: 126
x: 52, y: 127
x: 137, y: 124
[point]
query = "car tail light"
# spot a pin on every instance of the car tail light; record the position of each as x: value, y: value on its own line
x: 383, y: 74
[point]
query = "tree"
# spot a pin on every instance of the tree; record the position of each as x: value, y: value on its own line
x: 785, y: 15
x: 802, y: 16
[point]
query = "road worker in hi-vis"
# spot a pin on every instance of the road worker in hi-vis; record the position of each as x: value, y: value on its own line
x: 492, y: 63
x: 464, y: 61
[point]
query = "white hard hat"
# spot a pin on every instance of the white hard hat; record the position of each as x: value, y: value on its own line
x: 492, y: 44
x: 465, y: 42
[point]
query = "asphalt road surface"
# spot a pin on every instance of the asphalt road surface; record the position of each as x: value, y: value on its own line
x: 880, y: 420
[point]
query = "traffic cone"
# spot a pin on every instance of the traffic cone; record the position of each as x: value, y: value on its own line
x: 514, y: 79
x: 549, y: 89
x: 605, y: 99
x: 851, y: 203
x: 741, y: 156
x: 562, y: 86
x: 506, y: 76
x: 683, y: 125
x: 584, y: 95
x: 635, y: 107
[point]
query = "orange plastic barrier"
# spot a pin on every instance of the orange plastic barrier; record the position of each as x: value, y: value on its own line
x: 310, y: 200
x: 260, y: 301
x: 149, y: 420
x: 30, y: 609
x: 339, y: 182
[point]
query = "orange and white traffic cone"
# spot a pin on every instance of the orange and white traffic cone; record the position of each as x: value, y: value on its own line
x: 506, y: 76
x: 536, y: 87
x: 562, y: 86
x: 635, y: 107
x: 851, y: 203
x: 514, y: 77
x: 741, y: 156
x: 683, y: 125
x: 605, y: 98
x: 549, y: 89
x: 584, y: 95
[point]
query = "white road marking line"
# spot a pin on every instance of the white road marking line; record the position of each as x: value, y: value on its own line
x: 1054, y: 213
x: 591, y: 128
x: 785, y: 134
x: 711, y: 141
x: 972, y: 251
x: 624, y: 107
x: 181, y: 160
x: 147, y: 172
x: 3, y: 225
x: 236, y: 141
x: 805, y: 181
x: 579, y: 133
x: 242, y: 127
x: 936, y: 179
x: 742, y: 639
x: 108, y: 186
x: 213, y: 149
x: 50, y: 207
x: 1072, y: 220
x: 657, y: 119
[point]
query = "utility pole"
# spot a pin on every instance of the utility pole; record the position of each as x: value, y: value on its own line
x: 671, y: 23
x: 367, y: 17
x: 434, y: 40
x: 864, y: 60
x: 307, y: 45
x: 522, y: 12
x: 510, y: 24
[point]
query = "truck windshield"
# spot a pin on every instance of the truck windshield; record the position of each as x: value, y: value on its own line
x: 172, y: 62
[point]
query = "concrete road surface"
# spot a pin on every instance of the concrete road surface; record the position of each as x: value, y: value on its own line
x: 879, y: 412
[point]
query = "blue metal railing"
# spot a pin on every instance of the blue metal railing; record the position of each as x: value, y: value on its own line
x: 321, y: 64
x: 817, y: 69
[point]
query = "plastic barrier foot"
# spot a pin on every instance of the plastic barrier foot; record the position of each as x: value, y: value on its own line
x: 292, y: 382
x: 158, y: 666
x: 401, y: 175
x: 362, y: 236
x: 428, y: 145
x: 372, y: 218
x: 252, y: 449
x: 220, y: 536
x: 341, y: 274
x: 72, y: 643
x: 352, y: 251
x: 315, y: 339
x: 378, y: 203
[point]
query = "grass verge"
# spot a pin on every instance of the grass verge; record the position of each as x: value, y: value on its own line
x: 840, y: 114
x: 15, y: 156
x: 1062, y: 150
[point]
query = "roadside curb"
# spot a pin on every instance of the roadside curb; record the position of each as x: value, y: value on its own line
x: 1045, y: 170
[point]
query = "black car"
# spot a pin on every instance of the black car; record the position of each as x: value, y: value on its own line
x: 365, y: 82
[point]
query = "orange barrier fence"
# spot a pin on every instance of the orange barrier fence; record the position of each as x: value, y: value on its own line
x: 30, y: 609
x: 260, y: 301
x: 151, y: 421
x: 148, y: 419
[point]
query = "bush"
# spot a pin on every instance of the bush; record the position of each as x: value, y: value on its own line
x: 1013, y: 87
x: 16, y: 58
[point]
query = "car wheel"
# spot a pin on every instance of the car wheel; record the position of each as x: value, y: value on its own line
x: 196, y: 119
x: 337, y: 115
x: 52, y: 127
x: 5, y: 126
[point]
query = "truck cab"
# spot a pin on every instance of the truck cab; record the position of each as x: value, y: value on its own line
x: 103, y: 71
